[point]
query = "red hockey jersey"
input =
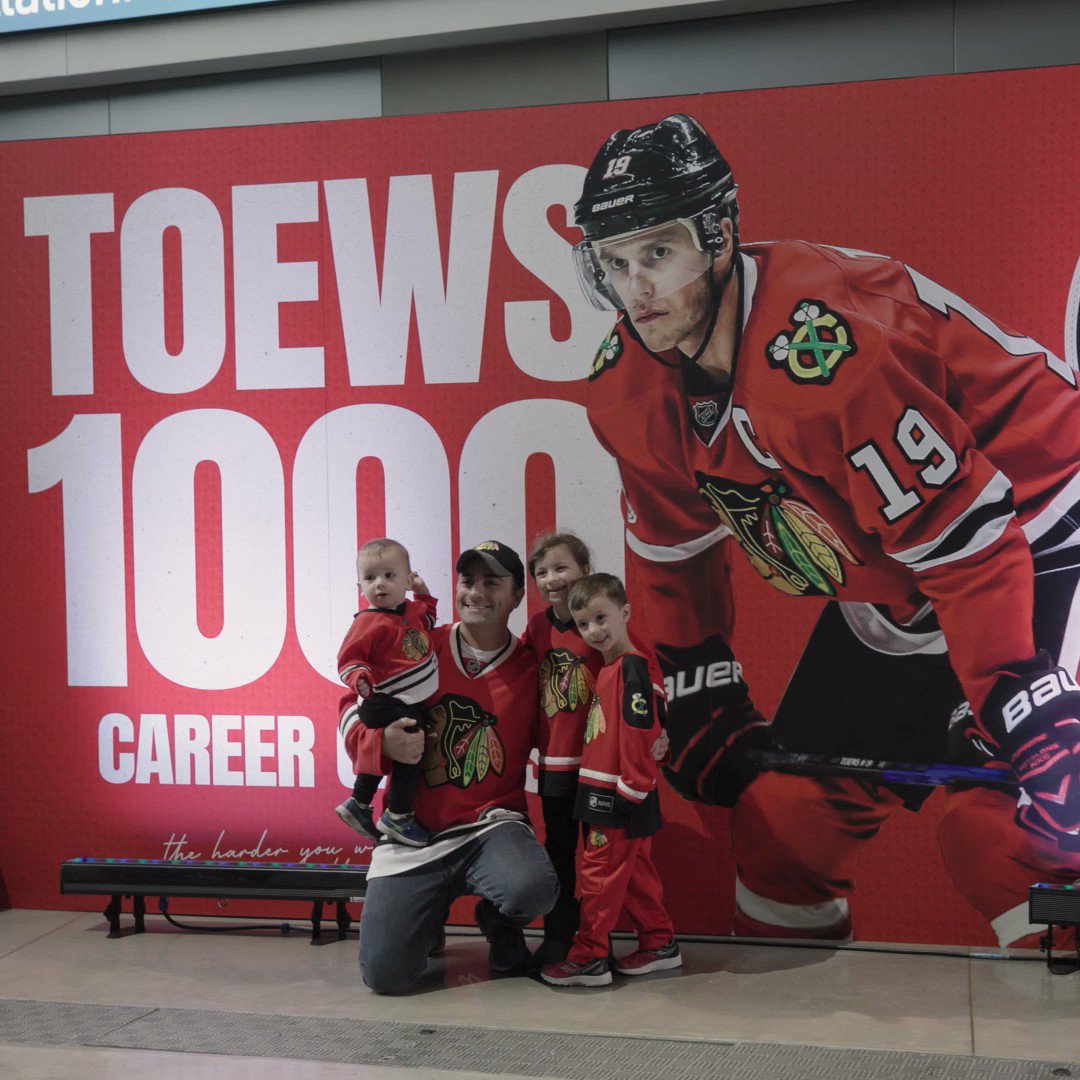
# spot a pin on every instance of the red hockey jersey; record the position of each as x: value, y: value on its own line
x: 567, y: 677
x: 390, y: 648
x: 618, y: 774
x: 881, y: 440
x: 484, y: 729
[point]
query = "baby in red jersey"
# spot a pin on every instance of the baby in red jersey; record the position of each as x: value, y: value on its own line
x: 617, y: 796
x: 387, y: 662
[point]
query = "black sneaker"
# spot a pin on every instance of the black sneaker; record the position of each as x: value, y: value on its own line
x: 508, y: 952
x: 358, y: 816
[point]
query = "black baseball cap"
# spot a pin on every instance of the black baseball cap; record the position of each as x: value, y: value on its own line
x: 501, y: 560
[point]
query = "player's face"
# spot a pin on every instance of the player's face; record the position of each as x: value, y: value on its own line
x: 603, y: 624
x: 556, y: 572
x: 484, y: 600
x: 660, y: 276
x: 384, y: 578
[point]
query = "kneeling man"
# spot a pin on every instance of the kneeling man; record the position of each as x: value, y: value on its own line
x: 483, y: 724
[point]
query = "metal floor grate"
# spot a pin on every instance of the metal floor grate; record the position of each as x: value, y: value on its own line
x: 475, y: 1049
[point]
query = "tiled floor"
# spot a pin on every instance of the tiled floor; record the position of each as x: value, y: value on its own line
x: 749, y: 993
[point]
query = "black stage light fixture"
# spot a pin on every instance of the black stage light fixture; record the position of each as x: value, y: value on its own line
x: 1056, y: 905
x: 320, y: 883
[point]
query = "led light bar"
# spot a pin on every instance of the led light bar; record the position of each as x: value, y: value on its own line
x: 315, y: 882
x: 1054, y: 905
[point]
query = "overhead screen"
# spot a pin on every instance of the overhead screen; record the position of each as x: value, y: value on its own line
x: 18, y: 15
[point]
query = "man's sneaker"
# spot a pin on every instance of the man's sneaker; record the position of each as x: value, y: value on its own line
x: 507, y: 952
x: 403, y: 829
x: 566, y: 973
x: 358, y: 816
x: 662, y: 958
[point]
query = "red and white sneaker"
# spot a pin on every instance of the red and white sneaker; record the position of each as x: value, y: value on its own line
x: 662, y: 958
x: 566, y: 973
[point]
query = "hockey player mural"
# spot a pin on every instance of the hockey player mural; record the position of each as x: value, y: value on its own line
x: 866, y: 436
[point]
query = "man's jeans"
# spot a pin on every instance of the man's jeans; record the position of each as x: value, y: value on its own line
x: 403, y: 913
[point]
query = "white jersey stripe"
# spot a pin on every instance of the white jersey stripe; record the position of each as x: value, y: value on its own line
x: 823, y: 916
x: 1051, y: 514
x: 560, y: 761
x: 592, y: 774
x: 349, y: 719
x: 629, y: 792
x: 677, y: 552
x: 1013, y: 924
x: 921, y: 556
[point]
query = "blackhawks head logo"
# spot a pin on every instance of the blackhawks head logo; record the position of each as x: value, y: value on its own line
x: 595, y: 725
x: 466, y: 747
x: 812, y: 348
x: 787, y: 541
x: 597, y: 838
x: 415, y: 645
x: 565, y: 682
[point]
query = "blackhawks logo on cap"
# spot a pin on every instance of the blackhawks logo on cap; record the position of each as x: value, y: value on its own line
x: 415, y: 645
x: 814, y: 346
x: 486, y: 545
x: 565, y: 682
x: 786, y: 540
x: 607, y: 355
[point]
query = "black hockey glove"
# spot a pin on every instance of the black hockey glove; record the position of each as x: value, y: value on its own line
x: 714, y: 729
x: 1033, y: 715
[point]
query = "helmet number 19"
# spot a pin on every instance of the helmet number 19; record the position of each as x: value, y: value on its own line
x: 617, y: 166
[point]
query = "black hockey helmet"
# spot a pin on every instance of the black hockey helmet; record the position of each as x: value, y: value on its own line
x: 641, y: 178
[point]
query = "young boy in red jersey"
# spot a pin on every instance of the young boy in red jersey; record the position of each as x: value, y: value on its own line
x: 387, y: 662
x: 617, y: 796
x: 567, y: 676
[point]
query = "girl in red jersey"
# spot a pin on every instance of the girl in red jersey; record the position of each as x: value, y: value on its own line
x: 567, y: 676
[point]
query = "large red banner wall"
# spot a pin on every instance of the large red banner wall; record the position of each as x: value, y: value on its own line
x: 228, y: 355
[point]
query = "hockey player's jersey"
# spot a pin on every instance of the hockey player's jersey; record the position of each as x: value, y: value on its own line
x: 484, y: 728
x: 618, y: 774
x: 567, y: 677
x: 880, y: 440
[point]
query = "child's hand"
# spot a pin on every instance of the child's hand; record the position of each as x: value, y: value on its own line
x: 363, y: 688
x: 418, y: 585
x: 662, y: 747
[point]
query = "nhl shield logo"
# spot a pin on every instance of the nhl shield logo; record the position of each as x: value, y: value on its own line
x: 814, y: 346
x: 706, y: 413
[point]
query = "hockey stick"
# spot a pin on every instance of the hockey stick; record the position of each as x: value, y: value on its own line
x: 935, y: 775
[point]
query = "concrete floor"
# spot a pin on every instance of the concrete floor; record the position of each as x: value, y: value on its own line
x: 955, y: 1005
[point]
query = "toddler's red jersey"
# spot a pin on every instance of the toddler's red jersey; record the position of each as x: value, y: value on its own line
x: 484, y: 727
x: 618, y: 774
x: 880, y: 440
x: 390, y: 648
